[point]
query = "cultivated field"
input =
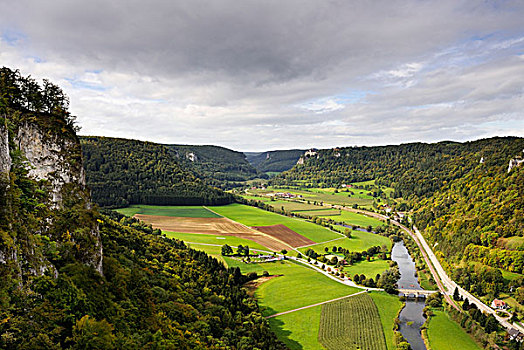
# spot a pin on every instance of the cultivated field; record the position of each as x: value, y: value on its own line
x: 388, y: 306
x: 216, y: 226
x: 284, y: 234
x: 175, y: 211
x: 251, y: 216
x: 213, y: 239
x: 352, y: 323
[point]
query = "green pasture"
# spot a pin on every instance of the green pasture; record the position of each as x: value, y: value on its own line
x: 445, y: 334
x: 255, y: 198
x: 251, y: 216
x: 361, y: 220
x: 358, y: 242
x: 369, y: 268
x: 175, y: 211
x: 298, y: 286
x: 388, y: 306
x: 298, y: 330
x: 331, y: 213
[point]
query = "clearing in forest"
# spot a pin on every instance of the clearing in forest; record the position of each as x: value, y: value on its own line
x: 352, y: 323
x: 285, y: 234
x: 213, y: 226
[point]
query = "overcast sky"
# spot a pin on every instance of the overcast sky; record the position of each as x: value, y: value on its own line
x: 264, y: 75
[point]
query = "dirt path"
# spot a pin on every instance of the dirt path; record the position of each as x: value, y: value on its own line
x: 313, y: 305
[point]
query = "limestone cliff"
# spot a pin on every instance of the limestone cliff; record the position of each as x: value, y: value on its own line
x: 46, y: 219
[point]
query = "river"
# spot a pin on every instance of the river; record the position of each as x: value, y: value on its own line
x: 411, y: 317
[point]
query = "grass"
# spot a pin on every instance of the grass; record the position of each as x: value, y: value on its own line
x: 256, y: 198
x: 351, y: 218
x: 251, y: 216
x: 299, y: 286
x: 352, y: 323
x: 214, y: 239
x: 324, y: 212
x: 298, y: 330
x: 445, y: 334
x: 175, y: 211
x: 388, y: 306
x: 369, y: 268
x: 294, y: 206
x: 358, y: 242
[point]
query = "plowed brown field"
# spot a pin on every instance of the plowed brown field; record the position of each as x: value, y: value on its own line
x: 285, y: 234
x: 216, y: 226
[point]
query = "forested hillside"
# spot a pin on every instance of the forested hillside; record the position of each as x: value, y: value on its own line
x: 122, y: 172
x: 462, y: 196
x: 71, y: 278
x: 218, y: 165
x: 274, y: 161
x: 414, y: 170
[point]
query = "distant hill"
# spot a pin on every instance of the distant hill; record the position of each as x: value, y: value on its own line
x: 217, y: 165
x: 274, y: 161
x: 122, y: 172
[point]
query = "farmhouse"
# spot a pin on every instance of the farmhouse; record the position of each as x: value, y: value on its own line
x: 514, y: 334
x: 499, y: 304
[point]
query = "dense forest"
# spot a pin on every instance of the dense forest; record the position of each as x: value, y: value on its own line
x: 154, y: 293
x: 122, y: 172
x: 219, y: 166
x: 274, y: 161
x: 150, y: 292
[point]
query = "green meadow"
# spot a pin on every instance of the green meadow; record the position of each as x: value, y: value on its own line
x: 445, y: 334
x: 388, y: 306
x: 369, y: 268
x: 358, y: 242
x: 361, y: 220
x: 175, y: 211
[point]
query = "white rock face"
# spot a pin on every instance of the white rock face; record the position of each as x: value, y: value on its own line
x: 515, y: 163
x: 5, y: 159
x: 46, y: 160
x: 191, y: 156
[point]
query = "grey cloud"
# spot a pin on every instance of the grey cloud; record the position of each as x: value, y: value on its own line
x: 232, y: 72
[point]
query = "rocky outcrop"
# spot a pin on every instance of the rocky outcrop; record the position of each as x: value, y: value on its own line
x: 52, y: 156
x: 5, y: 159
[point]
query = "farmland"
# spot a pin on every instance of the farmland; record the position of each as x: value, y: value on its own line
x: 444, y: 334
x: 229, y: 226
x: 217, y: 226
x: 257, y: 217
x: 388, y: 306
x: 308, y: 286
x: 369, y: 268
x: 176, y: 211
x: 284, y: 234
x: 358, y: 242
x: 361, y: 220
x: 214, y: 239
x: 352, y: 323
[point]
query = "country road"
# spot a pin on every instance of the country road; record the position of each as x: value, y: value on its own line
x: 445, y: 284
